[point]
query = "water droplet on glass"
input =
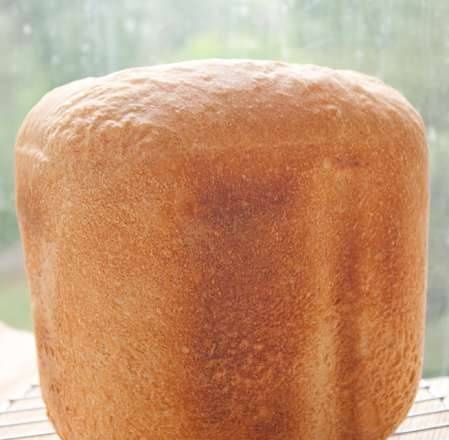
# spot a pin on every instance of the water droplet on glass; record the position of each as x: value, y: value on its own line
x: 241, y: 9
x: 55, y: 59
x: 431, y: 133
x: 85, y: 47
x: 27, y: 29
x: 130, y: 25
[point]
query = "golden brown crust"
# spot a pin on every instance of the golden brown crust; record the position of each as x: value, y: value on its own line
x: 226, y: 250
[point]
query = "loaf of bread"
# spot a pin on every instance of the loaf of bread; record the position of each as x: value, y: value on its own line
x: 226, y: 250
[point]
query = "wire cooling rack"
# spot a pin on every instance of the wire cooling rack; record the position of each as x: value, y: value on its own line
x: 24, y: 417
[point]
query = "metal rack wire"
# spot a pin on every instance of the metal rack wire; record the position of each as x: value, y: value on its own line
x: 24, y: 417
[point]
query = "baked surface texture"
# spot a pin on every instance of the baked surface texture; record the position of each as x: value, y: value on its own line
x: 226, y: 250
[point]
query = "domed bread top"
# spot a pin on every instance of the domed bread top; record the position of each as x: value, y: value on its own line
x: 214, y: 104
